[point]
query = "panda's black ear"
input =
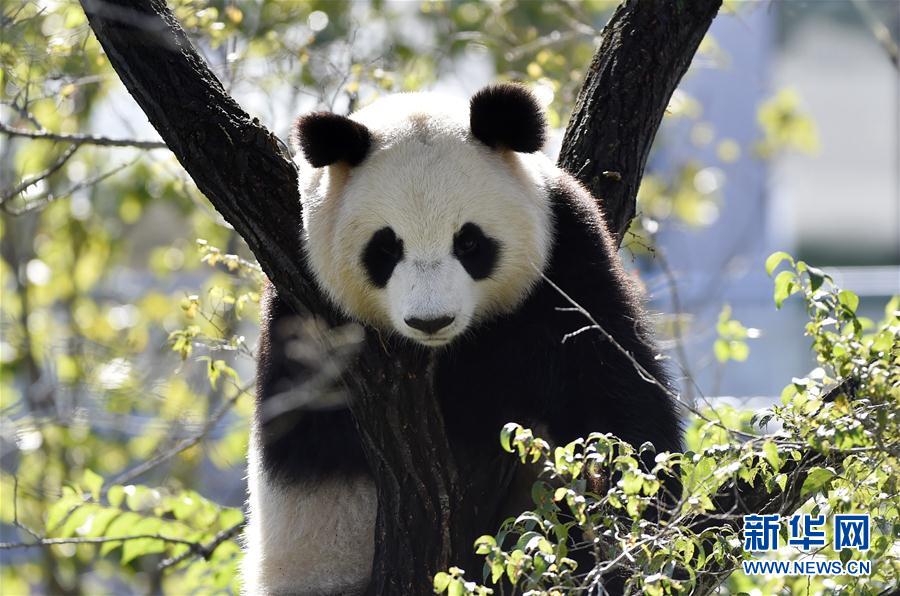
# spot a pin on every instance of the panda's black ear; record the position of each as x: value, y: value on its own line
x: 327, y: 138
x: 507, y: 116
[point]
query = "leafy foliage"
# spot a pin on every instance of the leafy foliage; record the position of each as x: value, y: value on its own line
x: 731, y: 343
x: 837, y: 433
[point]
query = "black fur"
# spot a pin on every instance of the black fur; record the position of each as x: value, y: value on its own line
x: 507, y: 116
x: 512, y: 368
x: 477, y: 252
x: 298, y: 444
x: 327, y: 138
x: 382, y: 253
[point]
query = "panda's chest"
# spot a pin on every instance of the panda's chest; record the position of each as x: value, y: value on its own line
x: 500, y: 373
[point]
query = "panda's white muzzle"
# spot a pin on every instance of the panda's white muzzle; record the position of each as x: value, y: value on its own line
x: 430, y: 301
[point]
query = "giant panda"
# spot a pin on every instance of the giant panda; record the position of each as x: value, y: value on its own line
x: 440, y: 222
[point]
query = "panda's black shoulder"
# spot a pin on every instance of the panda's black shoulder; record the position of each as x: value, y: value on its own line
x: 585, y: 264
x: 297, y: 444
x: 584, y: 257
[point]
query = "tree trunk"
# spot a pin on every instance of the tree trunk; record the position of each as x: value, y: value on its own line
x: 645, y: 50
x: 428, y: 513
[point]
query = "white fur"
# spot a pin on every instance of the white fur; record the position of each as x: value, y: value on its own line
x: 425, y: 177
x: 428, y: 289
x: 308, y: 539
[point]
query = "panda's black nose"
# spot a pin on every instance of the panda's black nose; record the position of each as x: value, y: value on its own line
x: 429, y: 325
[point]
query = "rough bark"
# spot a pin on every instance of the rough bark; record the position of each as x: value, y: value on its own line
x: 426, y: 517
x: 645, y: 50
x: 233, y: 159
x: 242, y: 169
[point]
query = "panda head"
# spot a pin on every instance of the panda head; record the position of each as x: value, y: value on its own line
x: 424, y: 216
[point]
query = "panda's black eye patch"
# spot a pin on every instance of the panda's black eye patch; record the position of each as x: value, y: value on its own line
x: 477, y: 251
x: 381, y: 254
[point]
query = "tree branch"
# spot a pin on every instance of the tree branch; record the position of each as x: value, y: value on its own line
x: 80, y: 139
x: 52, y: 169
x: 46, y: 198
x: 96, y: 540
x: 184, y: 444
x: 646, y: 48
x: 204, y: 550
x: 234, y: 160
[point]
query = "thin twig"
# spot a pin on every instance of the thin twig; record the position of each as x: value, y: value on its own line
x: 204, y: 550
x: 47, y: 198
x: 880, y: 31
x: 638, y: 367
x: 676, y: 327
x: 80, y: 139
x: 16, y: 521
x: 186, y: 443
x: 54, y: 167
x: 97, y: 540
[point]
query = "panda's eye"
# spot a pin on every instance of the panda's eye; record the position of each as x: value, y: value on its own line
x: 477, y: 252
x: 381, y: 254
x: 465, y: 246
x: 391, y: 249
x: 467, y: 240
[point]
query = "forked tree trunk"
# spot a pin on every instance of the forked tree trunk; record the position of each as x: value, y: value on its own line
x: 426, y: 511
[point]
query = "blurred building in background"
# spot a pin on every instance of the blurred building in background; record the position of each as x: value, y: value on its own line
x: 836, y: 206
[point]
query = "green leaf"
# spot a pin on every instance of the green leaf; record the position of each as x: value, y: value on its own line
x: 775, y: 259
x: 93, y: 482
x: 99, y: 522
x: 131, y: 549
x: 484, y: 544
x: 848, y: 299
x: 816, y: 480
x: 816, y: 277
x: 513, y: 569
x: 781, y: 481
x: 61, y: 509
x: 496, y: 569
x: 785, y: 285
x: 632, y: 483
x: 770, y: 450
x: 723, y: 353
x: 456, y: 588
x: 139, y: 547
x: 739, y: 350
x: 230, y: 517
x: 884, y: 341
x: 78, y: 518
x: 510, y: 429
x: 141, y: 498
x: 441, y: 581
x: 115, y: 495
x: 120, y: 526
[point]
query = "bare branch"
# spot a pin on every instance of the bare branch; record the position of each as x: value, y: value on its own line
x: 677, y: 333
x: 195, y: 549
x: 642, y: 372
x: 54, y: 167
x: 186, y: 443
x: 46, y: 198
x: 204, y: 550
x: 80, y: 139
x: 97, y: 540
x: 879, y: 30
